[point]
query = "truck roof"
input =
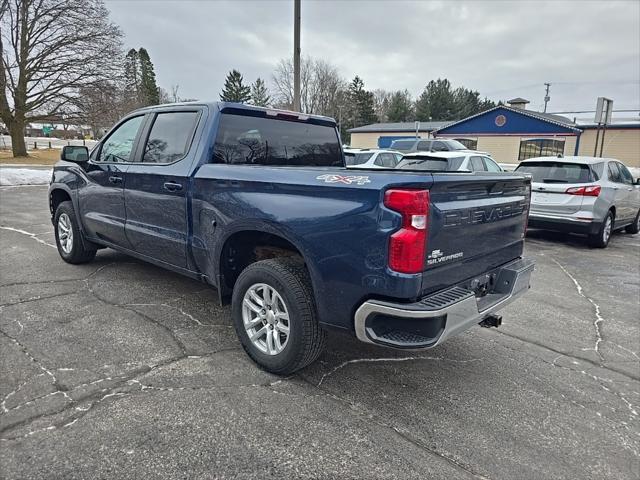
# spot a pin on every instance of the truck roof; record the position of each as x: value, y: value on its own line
x: 275, y: 112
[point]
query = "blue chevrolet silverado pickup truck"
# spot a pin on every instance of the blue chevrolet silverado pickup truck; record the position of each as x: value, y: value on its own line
x: 257, y: 203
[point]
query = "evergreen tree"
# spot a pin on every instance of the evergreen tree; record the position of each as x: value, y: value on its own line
x: 148, y: 86
x: 259, y: 93
x: 400, y: 107
x: 234, y: 89
x: 361, y: 104
x: 132, y: 79
x: 439, y: 102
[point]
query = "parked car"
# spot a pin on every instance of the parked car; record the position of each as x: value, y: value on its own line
x: 429, y: 145
x: 371, y: 158
x: 449, y: 162
x: 258, y: 203
x: 588, y: 195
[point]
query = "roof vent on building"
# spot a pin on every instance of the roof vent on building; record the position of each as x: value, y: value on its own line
x: 518, y: 103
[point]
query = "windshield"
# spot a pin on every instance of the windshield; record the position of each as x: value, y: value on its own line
x: 402, y: 145
x: 557, y: 172
x: 456, y: 145
x: 351, y: 158
x: 433, y: 164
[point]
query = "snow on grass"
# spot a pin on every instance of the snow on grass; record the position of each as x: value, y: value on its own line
x: 24, y: 176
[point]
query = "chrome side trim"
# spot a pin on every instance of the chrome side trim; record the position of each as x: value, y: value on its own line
x: 460, y: 316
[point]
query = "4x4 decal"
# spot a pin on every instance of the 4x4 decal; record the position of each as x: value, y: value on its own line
x: 346, y: 179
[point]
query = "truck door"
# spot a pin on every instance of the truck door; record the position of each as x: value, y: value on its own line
x: 101, y: 198
x: 156, y: 185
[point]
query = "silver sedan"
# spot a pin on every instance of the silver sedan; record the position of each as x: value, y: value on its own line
x: 587, y: 195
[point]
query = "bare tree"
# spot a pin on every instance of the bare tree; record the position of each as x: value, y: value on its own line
x: 381, y: 100
x: 320, y: 86
x: 50, y: 49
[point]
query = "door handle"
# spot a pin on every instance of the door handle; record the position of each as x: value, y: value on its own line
x: 172, y: 186
x: 115, y: 179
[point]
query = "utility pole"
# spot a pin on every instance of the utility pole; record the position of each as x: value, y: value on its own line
x: 296, y: 55
x: 546, y: 97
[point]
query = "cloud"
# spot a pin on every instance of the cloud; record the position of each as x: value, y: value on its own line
x: 500, y: 48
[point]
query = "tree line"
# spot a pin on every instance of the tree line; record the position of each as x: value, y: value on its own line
x: 324, y: 91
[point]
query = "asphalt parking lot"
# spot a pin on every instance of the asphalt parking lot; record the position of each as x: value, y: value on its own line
x: 119, y: 369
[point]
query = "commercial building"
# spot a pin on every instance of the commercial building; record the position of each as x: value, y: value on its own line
x: 380, y: 135
x: 511, y: 133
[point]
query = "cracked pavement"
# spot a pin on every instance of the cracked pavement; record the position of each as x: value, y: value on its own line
x: 120, y: 369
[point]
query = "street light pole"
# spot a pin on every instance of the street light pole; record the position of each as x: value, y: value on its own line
x: 296, y: 55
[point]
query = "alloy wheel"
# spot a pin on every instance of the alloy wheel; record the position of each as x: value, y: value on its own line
x: 266, y: 318
x: 65, y: 233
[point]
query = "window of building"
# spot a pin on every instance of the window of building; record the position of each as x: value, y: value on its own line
x: 266, y: 141
x: 469, y: 143
x: 540, y: 147
x: 170, y: 137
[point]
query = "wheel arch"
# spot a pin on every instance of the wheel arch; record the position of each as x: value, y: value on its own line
x: 245, y: 246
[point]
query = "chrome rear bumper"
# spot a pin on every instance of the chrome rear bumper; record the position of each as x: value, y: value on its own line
x: 441, y: 315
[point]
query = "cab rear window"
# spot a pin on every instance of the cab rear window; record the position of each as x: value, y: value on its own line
x: 557, y: 172
x: 251, y: 140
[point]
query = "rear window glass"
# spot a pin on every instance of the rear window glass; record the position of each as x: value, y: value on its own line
x: 402, y: 145
x: 267, y: 141
x: 433, y: 164
x: 456, y: 145
x: 356, y: 158
x: 557, y: 172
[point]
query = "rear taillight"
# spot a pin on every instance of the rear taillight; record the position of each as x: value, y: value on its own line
x: 588, y: 191
x: 408, y: 245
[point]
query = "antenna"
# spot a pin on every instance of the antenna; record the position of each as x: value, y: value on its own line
x: 546, y: 97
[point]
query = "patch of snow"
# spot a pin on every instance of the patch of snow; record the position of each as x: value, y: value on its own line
x: 24, y: 176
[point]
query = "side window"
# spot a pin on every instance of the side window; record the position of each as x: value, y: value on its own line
x: 625, y: 174
x: 424, y: 146
x: 440, y: 147
x: 491, y: 165
x: 170, y: 137
x: 386, y: 160
x: 477, y: 165
x: 614, y: 173
x: 117, y: 147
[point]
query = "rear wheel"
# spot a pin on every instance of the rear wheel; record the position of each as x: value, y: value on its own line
x: 275, y: 317
x: 635, y: 226
x: 68, y: 236
x: 601, y: 239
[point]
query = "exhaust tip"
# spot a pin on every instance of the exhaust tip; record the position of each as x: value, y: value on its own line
x: 491, y: 321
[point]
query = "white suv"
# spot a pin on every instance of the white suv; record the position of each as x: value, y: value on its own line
x: 449, y: 162
x: 371, y: 158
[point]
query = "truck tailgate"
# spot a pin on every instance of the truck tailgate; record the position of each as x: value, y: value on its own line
x: 476, y: 222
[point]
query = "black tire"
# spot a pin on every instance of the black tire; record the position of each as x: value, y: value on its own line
x: 635, y: 226
x: 78, y: 253
x: 306, y: 340
x: 601, y: 239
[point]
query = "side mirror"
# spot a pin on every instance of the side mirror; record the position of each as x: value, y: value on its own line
x: 637, y: 182
x: 73, y: 153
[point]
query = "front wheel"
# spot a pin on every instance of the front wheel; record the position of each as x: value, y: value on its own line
x: 601, y: 239
x: 274, y: 315
x: 635, y: 226
x: 68, y: 236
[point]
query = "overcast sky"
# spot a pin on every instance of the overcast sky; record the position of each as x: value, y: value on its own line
x: 502, y: 49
